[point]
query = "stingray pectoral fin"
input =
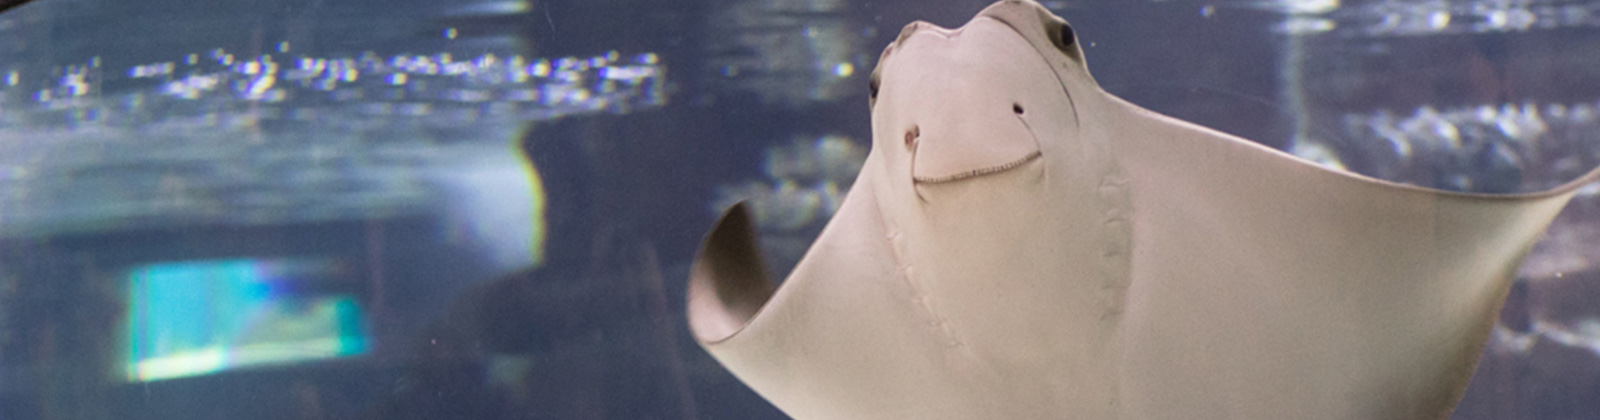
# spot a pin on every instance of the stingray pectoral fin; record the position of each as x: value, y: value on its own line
x: 842, y: 337
x: 1261, y: 274
x: 728, y: 283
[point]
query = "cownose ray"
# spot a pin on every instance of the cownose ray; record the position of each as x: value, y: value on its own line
x: 1021, y: 244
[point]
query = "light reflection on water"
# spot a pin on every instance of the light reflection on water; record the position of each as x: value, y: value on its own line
x: 1409, y: 18
x: 215, y: 137
x: 1421, y: 18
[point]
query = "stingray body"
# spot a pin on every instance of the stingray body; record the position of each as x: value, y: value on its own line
x: 1021, y: 244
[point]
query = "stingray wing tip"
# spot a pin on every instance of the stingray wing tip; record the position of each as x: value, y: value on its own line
x: 728, y: 283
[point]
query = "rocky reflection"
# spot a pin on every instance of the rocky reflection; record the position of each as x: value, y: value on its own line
x: 806, y: 181
x: 1543, y: 357
x: 1490, y: 148
x: 788, y: 52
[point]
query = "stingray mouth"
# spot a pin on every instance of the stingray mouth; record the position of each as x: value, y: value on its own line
x: 973, y: 173
x: 986, y: 145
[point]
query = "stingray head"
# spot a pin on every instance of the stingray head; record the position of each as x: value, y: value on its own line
x: 985, y: 123
x: 990, y: 176
x: 951, y: 105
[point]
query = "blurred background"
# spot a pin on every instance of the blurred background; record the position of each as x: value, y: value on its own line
x: 485, y: 209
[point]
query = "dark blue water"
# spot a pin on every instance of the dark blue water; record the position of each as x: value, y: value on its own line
x: 484, y: 209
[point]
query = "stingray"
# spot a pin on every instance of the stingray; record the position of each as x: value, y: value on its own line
x: 1021, y: 244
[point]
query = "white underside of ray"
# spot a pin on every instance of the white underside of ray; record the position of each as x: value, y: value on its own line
x: 1022, y: 245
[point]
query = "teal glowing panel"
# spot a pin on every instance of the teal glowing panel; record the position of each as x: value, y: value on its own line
x: 197, y: 317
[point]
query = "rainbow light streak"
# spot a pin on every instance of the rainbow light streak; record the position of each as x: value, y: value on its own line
x: 198, y: 317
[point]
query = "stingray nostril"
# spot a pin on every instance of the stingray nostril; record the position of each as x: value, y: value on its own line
x: 1016, y: 108
x: 911, y: 136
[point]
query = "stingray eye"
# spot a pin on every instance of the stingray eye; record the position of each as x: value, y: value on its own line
x: 911, y: 136
x: 1061, y: 34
